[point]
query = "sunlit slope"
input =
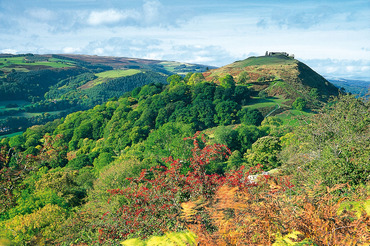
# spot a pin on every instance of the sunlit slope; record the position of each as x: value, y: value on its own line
x: 278, y: 76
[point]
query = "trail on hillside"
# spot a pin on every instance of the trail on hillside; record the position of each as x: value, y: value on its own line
x: 276, y: 108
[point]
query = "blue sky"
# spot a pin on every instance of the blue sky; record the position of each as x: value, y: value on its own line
x: 331, y: 36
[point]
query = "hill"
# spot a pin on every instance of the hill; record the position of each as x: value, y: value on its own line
x: 163, y: 159
x: 148, y: 163
x: 35, y: 89
x: 360, y: 88
x: 278, y: 75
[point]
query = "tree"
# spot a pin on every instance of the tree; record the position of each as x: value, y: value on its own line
x: 265, y: 152
x: 203, y: 112
x: 247, y: 135
x: 250, y: 117
x: 243, y: 77
x: 227, y: 81
x: 314, y: 93
x: 242, y: 94
x: 195, y: 78
x: 227, y: 136
x: 174, y: 80
x: 103, y: 160
x: 226, y: 113
x: 333, y: 146
x: 299, y: 103
x: 17, y: 142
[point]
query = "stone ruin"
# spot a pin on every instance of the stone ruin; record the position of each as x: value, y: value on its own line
x: 279, y: 54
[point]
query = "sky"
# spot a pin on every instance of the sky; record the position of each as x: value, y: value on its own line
x: 331, y: 36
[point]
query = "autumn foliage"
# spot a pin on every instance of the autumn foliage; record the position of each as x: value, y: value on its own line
x: 264, y: 214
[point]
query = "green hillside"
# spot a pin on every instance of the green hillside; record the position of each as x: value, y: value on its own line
x: 55, y: 85
x: 278, y: 75
x: 264, y: 60
x: 187, y: 162
x: 154, y: 158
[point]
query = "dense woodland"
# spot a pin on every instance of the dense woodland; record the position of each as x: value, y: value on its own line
x: 185, y: 163
x: 57, y: 92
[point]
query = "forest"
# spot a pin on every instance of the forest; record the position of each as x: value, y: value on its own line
x: 189, y: 162
x: 53, y: 87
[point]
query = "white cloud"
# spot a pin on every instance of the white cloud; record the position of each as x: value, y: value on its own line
x: 151, y: 11
x: 71, y: 50
x: 110, y: 16
x: 41, y: 14
x: 98, y: 51
x: 355, y: 69
x: 8, y: 51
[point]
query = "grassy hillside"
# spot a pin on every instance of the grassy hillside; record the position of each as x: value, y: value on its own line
x: 164, y: 159
x: 278, y: 76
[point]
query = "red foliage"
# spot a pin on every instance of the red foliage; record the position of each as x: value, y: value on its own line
x: 152, y: 205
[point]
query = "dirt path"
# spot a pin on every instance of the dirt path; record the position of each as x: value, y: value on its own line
x: 278, y: 106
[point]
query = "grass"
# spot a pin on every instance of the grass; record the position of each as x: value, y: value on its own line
x: 291, y: 117
x: 264, y: 60
x: 258, y: 102
x: 170, y: 66
x: 30, y: 114
x: 10, y: 135
x: 52, y: 62
x: 111, y: 74
x: 107, y: 75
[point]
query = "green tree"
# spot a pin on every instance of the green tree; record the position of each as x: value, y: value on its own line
x: 195, y: 78
x: 250, y: 117
x: 333, y: 146
x: 314, y: 93
x: 235, y: 160
x: 262, y: 94
x: 299, y: 103
x: 138, y: 134
x: 227, y: 81
x: 227, y: 136
x: 226, y: 113
x: 174, y: 80
x: 243, y: 77
x: 264, y: 151
x: 103, y: 160
x: 247, y: 135
x: 17, y: 142
x: 242, y: 94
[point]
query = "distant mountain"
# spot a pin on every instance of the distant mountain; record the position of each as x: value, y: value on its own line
x: 358, y: 87
x: 278, y: 75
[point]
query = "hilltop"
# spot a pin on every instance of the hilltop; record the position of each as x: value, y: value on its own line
x: 278, y: 75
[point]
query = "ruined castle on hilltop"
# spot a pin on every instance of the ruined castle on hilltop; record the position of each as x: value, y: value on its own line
x: 279, y: 54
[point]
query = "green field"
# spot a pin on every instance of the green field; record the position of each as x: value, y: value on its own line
x: 10, y: 135
x: 258, y: 102
x: 52, y: 62
x: 264, y: 60
x: 107, y: 75
x: 291, y: 117
x: 111, y: 74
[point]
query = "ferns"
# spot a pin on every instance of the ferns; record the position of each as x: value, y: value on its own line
x: 268, y: 215
x: 170, y: 239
